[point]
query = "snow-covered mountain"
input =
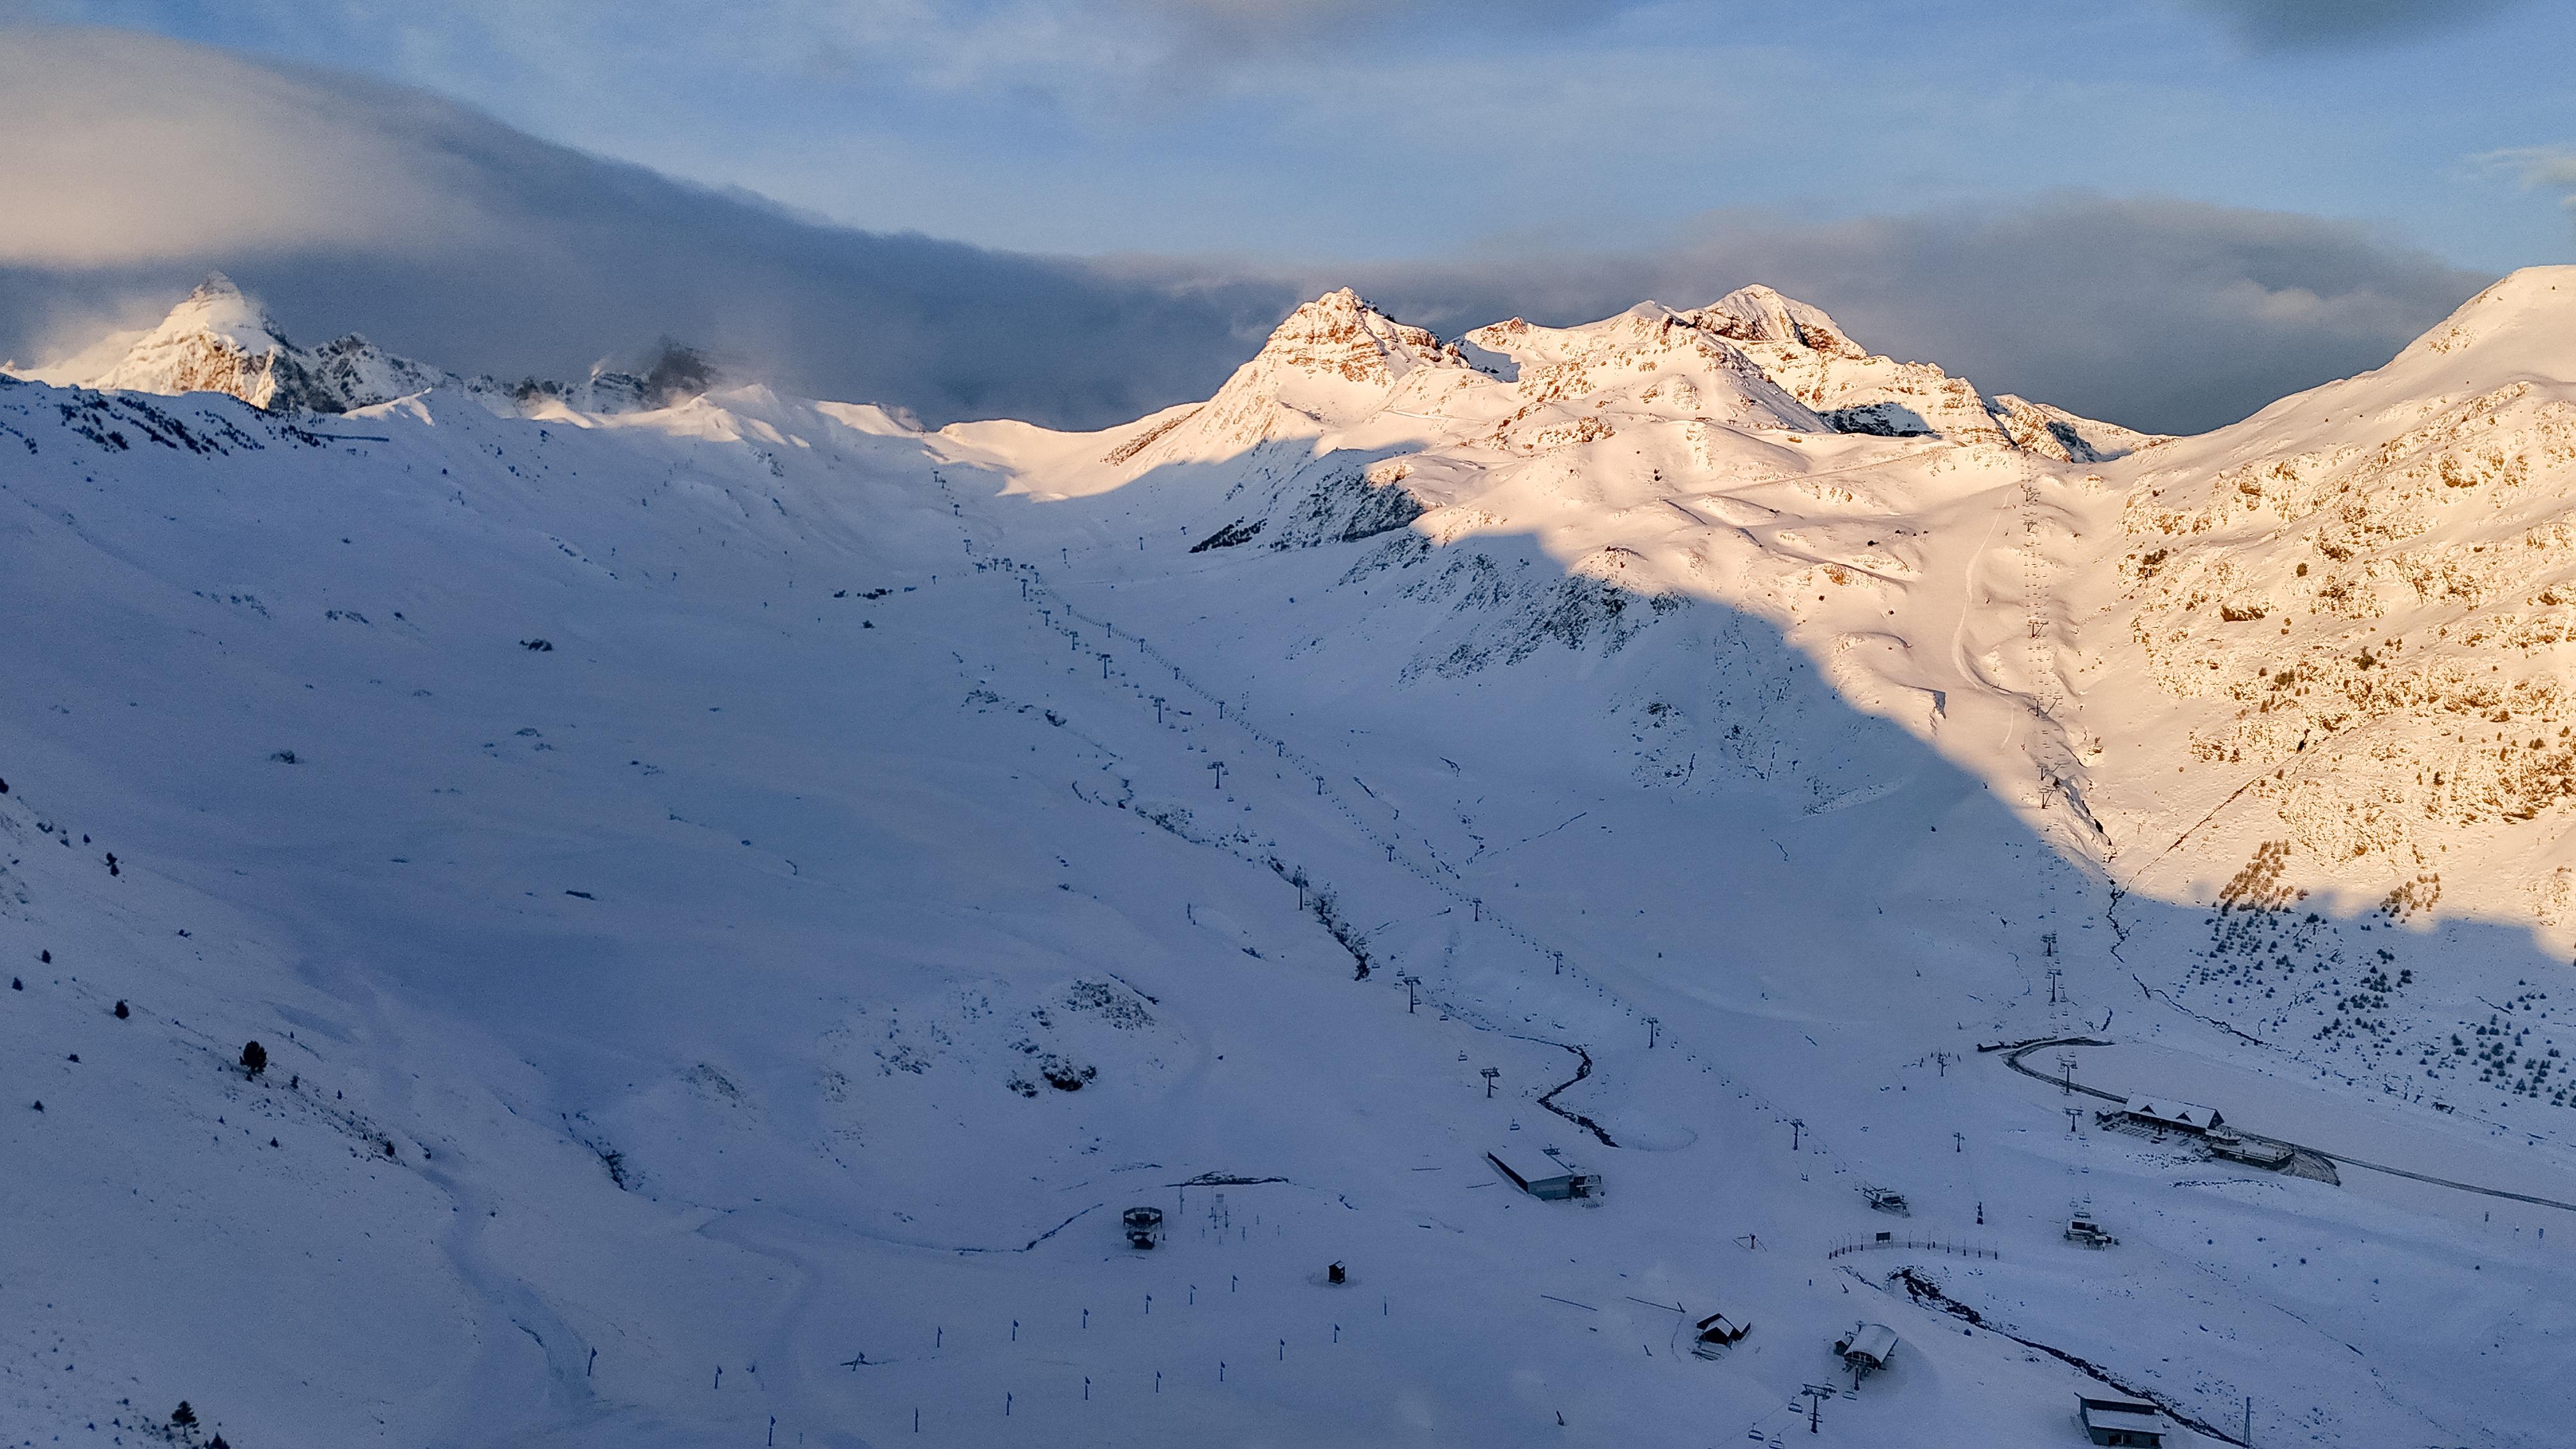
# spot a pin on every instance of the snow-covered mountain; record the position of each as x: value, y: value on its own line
x: 737, y: 896
x: 220, y: 339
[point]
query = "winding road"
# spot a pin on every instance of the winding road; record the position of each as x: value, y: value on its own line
x: 2015, y: 1051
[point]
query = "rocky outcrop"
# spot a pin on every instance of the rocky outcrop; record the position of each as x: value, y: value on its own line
x: 220, y: 340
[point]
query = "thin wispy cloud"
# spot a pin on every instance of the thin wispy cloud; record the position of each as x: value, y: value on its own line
x: 2536, y: 168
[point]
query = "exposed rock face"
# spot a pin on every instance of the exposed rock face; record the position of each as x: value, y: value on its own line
x: 351, y: 372
x: 216, y: 340
x: 1759, y: 314
x: 1340, y: 335
x: 2053, y: 432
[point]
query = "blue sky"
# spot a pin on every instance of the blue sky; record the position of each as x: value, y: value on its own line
x: 1332, y: 129
x: 2165, y: 212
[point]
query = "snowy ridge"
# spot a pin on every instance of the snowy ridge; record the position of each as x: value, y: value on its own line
x: 219, y: 340
x: 1333, y: 361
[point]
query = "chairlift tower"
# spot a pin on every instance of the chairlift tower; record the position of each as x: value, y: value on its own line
x: 1815, y: 1395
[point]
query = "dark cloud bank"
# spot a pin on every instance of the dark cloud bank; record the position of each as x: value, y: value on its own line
x: 2342, y: 24
x: 138, y: 163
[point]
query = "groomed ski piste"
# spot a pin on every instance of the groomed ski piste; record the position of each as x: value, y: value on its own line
x: 739, y: 897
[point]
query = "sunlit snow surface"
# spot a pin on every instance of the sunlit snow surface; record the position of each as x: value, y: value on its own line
x: 665, y: 1025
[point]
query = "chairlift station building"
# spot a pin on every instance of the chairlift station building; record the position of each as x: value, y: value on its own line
x: 2166, y: 1114
x: 1546, y: 1175
x: 1866, y: 1349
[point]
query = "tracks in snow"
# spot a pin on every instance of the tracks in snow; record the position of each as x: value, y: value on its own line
x: 1390, y: 850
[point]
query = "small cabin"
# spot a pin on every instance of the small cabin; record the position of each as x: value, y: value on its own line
x: 1866, y: 1348
x: 1717, y: 1331
x: 2167, y: 1115
x: 2122, y: 1421
x: 1546, y: 1176
x: 2090, y: 1234
x: 1143, y: 1226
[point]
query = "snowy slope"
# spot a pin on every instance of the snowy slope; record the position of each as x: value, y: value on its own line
x: 2358, y: 602
x: 751, y: 890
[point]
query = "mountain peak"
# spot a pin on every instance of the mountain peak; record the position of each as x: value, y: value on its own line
x: 221, y: 308
x: 1329, y: 363
x: 217, y: 339
x: 220, y: 339
x: 1760, y: 314
x: 2525, y: 312
x: 216, y: 287
x: 1340, y: 335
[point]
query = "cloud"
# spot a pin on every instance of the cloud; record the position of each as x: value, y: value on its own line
x: 138, y: 163
x: 143, y: 148
x: 2325, y: 24
x: 2538, y: 168
x: 1096, y: 56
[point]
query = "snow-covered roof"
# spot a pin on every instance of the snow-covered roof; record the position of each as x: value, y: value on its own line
x: 1529, y: 1168
x: 1873, y: 1341
x: 2122, y: 1414
x: 2181, y: 1114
